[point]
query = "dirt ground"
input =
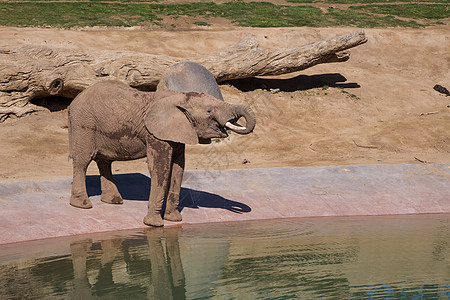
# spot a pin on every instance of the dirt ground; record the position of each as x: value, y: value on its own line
x: 377, y: 108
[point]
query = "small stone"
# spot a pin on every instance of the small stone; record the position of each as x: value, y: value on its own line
x: 274, y: 91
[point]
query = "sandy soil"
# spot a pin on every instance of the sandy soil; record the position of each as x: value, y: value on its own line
x: 377, y: 108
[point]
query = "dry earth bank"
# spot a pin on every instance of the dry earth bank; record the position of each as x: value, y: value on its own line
x: 378, y: 107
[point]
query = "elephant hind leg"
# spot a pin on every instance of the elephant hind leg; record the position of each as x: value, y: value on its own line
x: 82, y: 150
x: 110, y: 193
x: 79, y: 197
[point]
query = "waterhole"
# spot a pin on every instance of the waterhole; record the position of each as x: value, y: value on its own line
x: 389, y: 257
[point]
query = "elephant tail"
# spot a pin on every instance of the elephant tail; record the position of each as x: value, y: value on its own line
x: 70, y: 136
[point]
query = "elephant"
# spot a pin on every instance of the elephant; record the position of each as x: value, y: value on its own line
x: 111, y: 121
x: 189, y: 77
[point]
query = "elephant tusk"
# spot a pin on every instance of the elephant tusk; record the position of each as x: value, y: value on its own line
x: 235, y: 127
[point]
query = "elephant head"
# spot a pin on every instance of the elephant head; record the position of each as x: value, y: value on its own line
x: 194, y: 118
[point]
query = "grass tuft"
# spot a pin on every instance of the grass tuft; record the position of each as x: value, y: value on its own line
x: 412, y: 11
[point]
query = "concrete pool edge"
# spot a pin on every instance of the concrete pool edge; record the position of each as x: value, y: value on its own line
x: 33, y: 210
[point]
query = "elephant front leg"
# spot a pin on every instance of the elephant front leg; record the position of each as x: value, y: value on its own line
x: 159, y: 158
x: 173, y: 195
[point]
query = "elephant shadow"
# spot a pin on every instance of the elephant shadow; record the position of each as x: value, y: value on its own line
x: 136, y: 187
x: 298, y: 83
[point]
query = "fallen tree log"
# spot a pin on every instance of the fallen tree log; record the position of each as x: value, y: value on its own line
x: 28, y: 72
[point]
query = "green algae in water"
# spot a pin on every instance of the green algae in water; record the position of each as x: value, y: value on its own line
x: 390, y: 257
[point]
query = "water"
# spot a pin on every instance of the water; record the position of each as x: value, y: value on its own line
x: 390, y: 257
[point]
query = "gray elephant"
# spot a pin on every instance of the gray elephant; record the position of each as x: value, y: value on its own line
x: 189, y: 77
x: 111, y: 121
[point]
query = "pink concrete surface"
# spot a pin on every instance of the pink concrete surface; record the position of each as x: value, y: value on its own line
x: 34, y: 210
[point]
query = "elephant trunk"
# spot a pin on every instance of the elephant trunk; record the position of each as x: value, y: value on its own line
x: 249, y: 116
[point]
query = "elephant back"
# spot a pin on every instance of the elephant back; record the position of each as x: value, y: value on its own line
x: 190, y: 77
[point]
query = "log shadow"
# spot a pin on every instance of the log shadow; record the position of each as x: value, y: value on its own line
x: 52, y: 103
x: 298, y: 83
x: 136, y: 187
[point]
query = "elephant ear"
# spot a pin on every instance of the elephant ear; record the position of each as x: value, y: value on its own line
x: 170, y: 122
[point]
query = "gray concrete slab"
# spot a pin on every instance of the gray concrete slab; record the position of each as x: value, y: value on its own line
x: 31, y: 210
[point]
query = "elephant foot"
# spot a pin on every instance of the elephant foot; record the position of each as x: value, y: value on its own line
x: 174, y: 216
x: 80, y: 202
x: 153, y: 220
x: 111, y: 199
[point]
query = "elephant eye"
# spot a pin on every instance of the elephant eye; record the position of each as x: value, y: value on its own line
x: 209, y: 110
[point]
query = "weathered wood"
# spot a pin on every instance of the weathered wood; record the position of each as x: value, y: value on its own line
x: 28, y: 72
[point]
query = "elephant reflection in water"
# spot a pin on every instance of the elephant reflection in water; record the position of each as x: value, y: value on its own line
x: 167, y: 279
x: 81, y: 285
x: 164, y: 277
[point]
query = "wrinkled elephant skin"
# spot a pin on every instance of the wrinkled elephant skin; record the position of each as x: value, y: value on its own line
x: 111, y: 121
